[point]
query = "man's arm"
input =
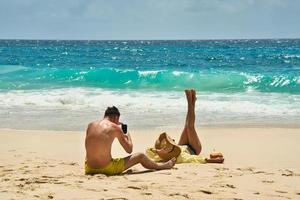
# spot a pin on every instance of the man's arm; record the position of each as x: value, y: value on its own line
x: 124, y: 139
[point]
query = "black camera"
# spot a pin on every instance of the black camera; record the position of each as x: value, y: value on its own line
x: 124, y: 128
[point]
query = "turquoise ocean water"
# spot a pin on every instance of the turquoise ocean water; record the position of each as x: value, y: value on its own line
x: 45, y: 83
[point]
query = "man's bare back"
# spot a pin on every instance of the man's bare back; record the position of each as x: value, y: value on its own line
x: 98, y: 141
x: 99, y: 138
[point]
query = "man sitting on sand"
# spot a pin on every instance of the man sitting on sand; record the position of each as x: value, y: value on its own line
x: 99, y: 138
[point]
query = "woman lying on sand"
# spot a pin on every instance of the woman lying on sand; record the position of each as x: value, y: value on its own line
x: 189, y: 143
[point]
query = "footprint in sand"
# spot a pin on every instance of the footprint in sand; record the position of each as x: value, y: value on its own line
x: 280, y: 191
x: 7, y: 170
x: 268, y: 181
x: 134, y: 187
x: 179, y: 194
x: 58, y: 182
x: 230, y: 186
x: 227, y: 185
x: 205, y: 191
x: 136, y: 180
x: 259, y: 172
x: 20, y: 185
x: 24, y: 167
x: 48, y: 195
x: 40, y: 181
x: 20, y: 192
x: 221, y: 168
x: 45, y: 176
x: 93, y: 190
x: 146, y: 193
x: 21, y: 179
x: 69, y: 163
x: 249, y: 169
x: 262, y: 172
x: 288, y: 172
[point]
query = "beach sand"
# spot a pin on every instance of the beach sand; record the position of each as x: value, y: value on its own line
x: 260, y: 163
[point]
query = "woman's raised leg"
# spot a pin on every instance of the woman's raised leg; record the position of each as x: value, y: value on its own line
x: 189, y: 135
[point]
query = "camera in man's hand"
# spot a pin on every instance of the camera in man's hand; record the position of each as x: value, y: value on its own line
x: 124, y: 128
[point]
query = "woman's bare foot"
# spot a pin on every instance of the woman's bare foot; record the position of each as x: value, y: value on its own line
x: 188, y: 94
x: 169, y: 164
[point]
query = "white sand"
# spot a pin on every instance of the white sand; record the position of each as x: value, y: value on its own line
x: 260, y: 163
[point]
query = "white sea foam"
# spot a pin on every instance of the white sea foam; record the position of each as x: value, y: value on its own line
x: 127, y: 82
x: 292, y: 56
x: 142, y: 108
x: 150, y: 72
x: 179, y: 73
x: 250, y: 103
x: 280, y: 81
x: 252, y: 78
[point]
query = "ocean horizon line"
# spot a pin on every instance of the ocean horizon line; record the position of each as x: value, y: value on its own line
x: 182, y: 39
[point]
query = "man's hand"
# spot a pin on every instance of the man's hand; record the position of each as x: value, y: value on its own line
x: 125, y: 140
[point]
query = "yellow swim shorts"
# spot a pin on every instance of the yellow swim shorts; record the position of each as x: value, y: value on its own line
x: 116, y: 166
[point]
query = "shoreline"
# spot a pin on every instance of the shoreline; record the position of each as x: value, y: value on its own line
x: 168, y: 128
x: 175, y: 127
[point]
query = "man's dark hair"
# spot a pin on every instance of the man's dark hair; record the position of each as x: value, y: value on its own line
x: 111, y: 112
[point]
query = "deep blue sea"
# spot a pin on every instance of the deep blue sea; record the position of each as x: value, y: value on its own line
x: 46, y: 83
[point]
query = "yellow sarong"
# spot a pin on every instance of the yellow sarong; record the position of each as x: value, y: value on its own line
x: 116, y: 166
x: 185, y: 156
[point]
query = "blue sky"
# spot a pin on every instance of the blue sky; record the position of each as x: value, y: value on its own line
x: 149, y: 19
